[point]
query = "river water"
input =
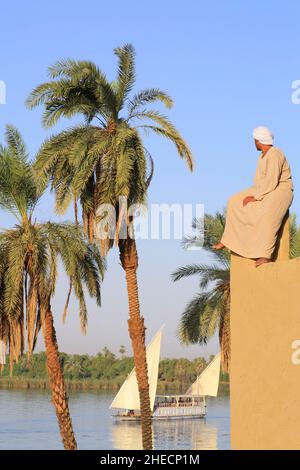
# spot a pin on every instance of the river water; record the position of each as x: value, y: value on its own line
x: 28, y: 421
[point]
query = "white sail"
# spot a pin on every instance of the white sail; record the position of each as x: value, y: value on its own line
x: 128, y: 395
x: 207, y: 383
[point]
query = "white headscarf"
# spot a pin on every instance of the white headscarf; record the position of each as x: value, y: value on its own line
x: 263, y: 135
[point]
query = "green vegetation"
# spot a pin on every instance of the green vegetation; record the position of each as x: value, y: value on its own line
x: 208, y: 312
x: 104, y: 371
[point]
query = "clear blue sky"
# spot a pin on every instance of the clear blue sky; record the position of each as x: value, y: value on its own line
x: 229, y: 66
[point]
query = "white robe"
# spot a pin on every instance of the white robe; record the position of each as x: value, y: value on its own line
x: 251, y: 230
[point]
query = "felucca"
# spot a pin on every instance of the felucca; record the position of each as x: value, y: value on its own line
x: 191, y: 404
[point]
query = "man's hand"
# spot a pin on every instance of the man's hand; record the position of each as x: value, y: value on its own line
x: 248, y: 199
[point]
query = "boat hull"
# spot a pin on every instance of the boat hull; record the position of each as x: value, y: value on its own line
x: 155, y: 418
x: 127, y: 418
x: 179, y: 417
x: 187, y: 412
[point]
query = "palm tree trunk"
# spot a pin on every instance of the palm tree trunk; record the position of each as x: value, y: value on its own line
x: 75, y: 211
x: 129, y: 261
x: 224, y: 336
x: 59, y: 396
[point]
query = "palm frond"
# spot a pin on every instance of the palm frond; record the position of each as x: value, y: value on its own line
x: 18, y: 191
x: 174, y: 136
x: 200, y: 318
x: 145, y: 97
x: 206, y: 273
x: 126, y: 73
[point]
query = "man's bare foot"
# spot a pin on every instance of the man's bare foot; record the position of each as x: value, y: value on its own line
x: 218, y: 246
x: 261, y: 261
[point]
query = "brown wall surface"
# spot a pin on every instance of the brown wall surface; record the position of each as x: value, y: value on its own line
x: 264, y: 382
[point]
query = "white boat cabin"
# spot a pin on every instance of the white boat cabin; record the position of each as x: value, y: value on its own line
x: 179, y: 406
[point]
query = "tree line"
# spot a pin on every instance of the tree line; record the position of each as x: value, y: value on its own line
x: 107, y: 370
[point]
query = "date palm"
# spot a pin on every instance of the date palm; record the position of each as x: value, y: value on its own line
x: 103, y: 160
x: 28, y: 271
x: 209, y: 311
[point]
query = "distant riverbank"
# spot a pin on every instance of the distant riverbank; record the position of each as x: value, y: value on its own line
x: 96, y: 385
x: 103, y: 372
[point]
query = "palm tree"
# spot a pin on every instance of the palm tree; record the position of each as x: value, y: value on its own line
x: 103, y: 160
x: 122, y: 351
x: 209, y: 310
x: 29, y: 256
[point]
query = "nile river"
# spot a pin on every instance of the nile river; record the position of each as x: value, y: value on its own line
x: 28, y: 421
